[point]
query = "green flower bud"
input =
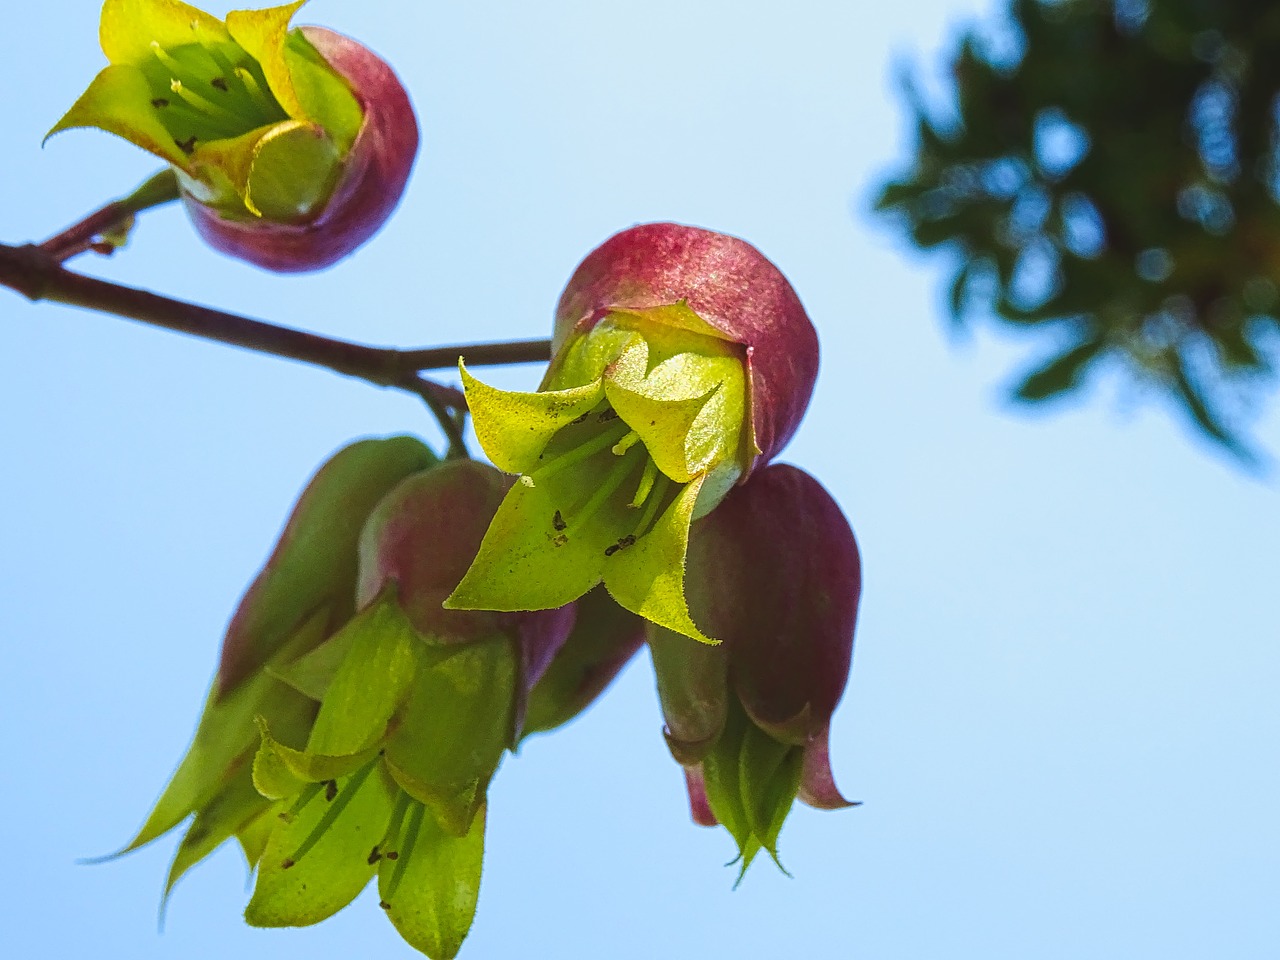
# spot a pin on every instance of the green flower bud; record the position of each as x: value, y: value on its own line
x: 302, y: 595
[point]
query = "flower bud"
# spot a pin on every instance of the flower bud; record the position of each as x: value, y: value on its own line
x: 417, y: 707
x: 291, y: 147
x: 683, y: 359
x: 300, y: 598
x: 775, y: 572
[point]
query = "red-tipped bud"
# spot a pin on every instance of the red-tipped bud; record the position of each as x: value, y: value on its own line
x: 372, y: 180
x: 731, y: 286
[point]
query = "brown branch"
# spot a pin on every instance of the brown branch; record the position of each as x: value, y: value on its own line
x: 38, y: 274
x: 89, y: 233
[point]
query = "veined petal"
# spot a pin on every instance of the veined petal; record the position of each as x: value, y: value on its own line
x: 371, y: 683
x: 128, y: 27
x: 262, y: 34
x: 118, y: 101
x: 648, y: 577
x: 430, y: 890
x: 316, y: 862
x: 663, y: 426
x: 514, y: 428
x: 525, y: 562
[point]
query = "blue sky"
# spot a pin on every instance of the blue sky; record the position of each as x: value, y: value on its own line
x: 1062, y: 719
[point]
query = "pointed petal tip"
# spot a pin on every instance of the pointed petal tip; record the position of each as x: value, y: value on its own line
x: 817, y: 783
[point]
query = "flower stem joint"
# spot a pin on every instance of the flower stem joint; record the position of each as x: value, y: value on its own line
x: 291, y: 147
x: 682, y: 362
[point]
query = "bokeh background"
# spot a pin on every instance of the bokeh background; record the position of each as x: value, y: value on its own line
x: 1062, y: 720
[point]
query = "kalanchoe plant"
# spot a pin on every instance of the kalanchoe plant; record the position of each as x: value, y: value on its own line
x: 291, y: 147
x: 775, y: 573
x: 354, y: 725
x: 682, y: 360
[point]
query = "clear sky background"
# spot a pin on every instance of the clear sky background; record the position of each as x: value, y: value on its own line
x: 1063, y: 717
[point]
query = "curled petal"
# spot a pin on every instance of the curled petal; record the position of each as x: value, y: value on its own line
x: 817, y: 784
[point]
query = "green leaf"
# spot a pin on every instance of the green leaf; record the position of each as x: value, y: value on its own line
x: 316, y: 862
x: 1060, y: 374
x: 430, y: 891
x: 1204, y: 416
x: 693, y: 687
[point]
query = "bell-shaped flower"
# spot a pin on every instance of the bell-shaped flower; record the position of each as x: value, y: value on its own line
x: 417, y: 706
x: 682, y: 360
x: 303, y: 595
x: 291, y: 147
x: 775, y: 573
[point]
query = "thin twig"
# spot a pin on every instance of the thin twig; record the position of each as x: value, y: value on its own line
x: 88, y: 233
x: 37, y: 274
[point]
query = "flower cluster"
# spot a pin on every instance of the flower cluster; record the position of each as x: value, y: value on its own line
x: 419, y: 617
x: 291, y: 147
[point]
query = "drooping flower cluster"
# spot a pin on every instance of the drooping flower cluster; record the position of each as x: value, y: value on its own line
x: 683, y: 362
x: 291, y: 146
x: 418, y: 617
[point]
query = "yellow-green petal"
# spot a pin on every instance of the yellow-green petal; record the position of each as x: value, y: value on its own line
x: 647, y: 578
x: 128, y: 27
x: 119, y: 101
x: 430, y: 894
x: 514, y: 428
x: 294, y: 889
x: 262, y: 34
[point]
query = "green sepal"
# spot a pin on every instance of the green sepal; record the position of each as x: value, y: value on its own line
x: 648, y: 577
x: 454, y: 728
x: 751, y: 782
x: 227, y: 736
x: 305, y: 85
x: 228, y: 814
x: 313, y: 567
x: 280, y: 771
x: 514, y: 428
x: 693, y: 688
x: 318, y: 860
x: 119, y: 101
x: 371, y: 682
x: 430, y: 891
x: 128, y: 27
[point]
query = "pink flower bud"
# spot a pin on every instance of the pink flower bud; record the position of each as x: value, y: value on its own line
x: 373, y: 177
x: 730, y: 285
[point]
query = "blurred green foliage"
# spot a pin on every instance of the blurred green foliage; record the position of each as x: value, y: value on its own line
x: 1111, y: 177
